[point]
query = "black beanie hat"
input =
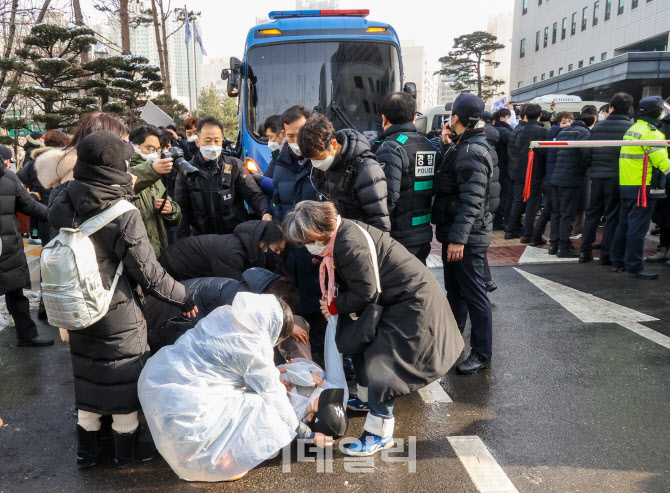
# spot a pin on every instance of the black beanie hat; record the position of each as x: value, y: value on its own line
x: 105, y: 149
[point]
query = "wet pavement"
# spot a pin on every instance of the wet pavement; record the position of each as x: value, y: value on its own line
x: 568, y: 406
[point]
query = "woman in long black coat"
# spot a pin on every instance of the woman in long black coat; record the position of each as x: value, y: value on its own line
x: 108, y: 356
x: 417, y: 340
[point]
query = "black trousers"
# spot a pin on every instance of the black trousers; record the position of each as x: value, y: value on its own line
x: 564, y: 202
x: 604, y: 202
x: 18, y: 307
x: 420, y: 251
x: 506, y: 197
x: 533, y: 205
x: 544, y: 218
x: 628, y: 245
x: 518, y: 205
x: 466, y: 293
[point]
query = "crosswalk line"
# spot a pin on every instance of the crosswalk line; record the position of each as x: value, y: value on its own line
x: 434, y: 393
x: 485, y: 472
x: 434, y: 262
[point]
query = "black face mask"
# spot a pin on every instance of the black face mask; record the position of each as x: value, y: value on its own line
x: 274, y: 261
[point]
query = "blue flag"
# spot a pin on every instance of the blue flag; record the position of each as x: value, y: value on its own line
x: 188, y: 32
x: 198, y: 39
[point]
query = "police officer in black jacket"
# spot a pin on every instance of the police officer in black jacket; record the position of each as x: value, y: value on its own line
x: 604, y: 177
x: 463, y: 224
x: 408, y: 159
x: 212, y: 201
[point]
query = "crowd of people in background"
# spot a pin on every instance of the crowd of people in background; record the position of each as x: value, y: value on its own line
x: 336, y: 226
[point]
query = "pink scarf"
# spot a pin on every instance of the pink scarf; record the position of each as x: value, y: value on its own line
x: 328, y: 266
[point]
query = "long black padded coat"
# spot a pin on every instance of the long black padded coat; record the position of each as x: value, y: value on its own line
x: 417, y: 339
x: 355, y: 182
x: 108, y: 356
x: 605, y: 160
x: 14, y: 197
x: 216, y: 255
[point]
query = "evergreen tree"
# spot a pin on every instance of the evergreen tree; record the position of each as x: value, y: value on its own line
x: 220, y: 106
x: 465, y: 63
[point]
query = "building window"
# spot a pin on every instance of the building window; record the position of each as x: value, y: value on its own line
x: 554, y: 33
x: 592, y: 60
x: 522, y: 51
x: 542, y: 77
x: 603, y: 56
x: 574, y: 24
x: 539, y: 2
x: 551, y: 73
x: 534, y: 79
x: 560, y: 70
x: 570, y: 68
x: 608, y: 9
x: 634, y: 6
x: 520, y: 84
x: 525, y: 7
x: 622, y: 3
x: 546, y: 36
x: 580, y: 64
x: 537, y: 41
x: 596, y: 13
x: 585, y: 17
x: 564, y: 28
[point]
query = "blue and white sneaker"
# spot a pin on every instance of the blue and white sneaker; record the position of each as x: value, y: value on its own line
x: 368, y: 444
x: 357, y: 405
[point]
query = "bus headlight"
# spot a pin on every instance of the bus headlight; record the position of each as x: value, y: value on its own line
x: 251, y: 165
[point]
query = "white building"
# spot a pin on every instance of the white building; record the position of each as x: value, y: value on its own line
x: 446, y: 92
x: 590, y: 48
x: 416, y: 69
x: 210, y: 73
x: 501, y: 26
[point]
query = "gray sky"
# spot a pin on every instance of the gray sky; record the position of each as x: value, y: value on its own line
x: 433, y: 23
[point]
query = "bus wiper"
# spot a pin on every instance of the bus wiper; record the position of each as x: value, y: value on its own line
x: 337, y: 110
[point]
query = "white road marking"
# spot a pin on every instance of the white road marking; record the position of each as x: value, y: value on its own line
x: 485, y: 472
x: 434, y: 393
x: 534, y: 255
x: 591, y: 309
x: 434, y: 262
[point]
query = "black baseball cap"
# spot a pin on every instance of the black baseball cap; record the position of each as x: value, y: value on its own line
x: 5, y: 153
x: 468, y: 108
x: 331, y: 418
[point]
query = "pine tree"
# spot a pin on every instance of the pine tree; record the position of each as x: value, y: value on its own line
x: 212, y: 103
x: 465, y: 63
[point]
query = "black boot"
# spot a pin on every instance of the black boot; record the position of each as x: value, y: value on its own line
x: 490, y: 286
x: 473, y: 364
x: 87, y: 448
x: 128, y: 450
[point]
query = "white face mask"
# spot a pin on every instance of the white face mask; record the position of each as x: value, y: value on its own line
x: 274, y: 146
x: 211, y: 153
x: 295, y: 148
x: 323, y: 164
x: 315, y: 248
x: 602, y: 116
x: 192, y: 138
x: 152, y: 157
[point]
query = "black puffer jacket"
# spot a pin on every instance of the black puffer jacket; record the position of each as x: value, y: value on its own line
x: 28, y: 175
x: 605, y: 160
x: 409, y: 163
x: 290, y: 182
x: 417, y: 339
x: 108, y: 356
x: 513, y: 152
x: 532, y: 130
x: 355, y: 182
x: 463, y: 189
x: 505, y: 133
x: 571, y: 164
x: 216, y: 255
x: 14, y: 197
x: 493, y: 137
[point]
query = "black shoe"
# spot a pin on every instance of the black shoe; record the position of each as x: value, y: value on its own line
x: 585, y: 257
x: 538, y: 241
x: 87, y: 448
x: 567, y: 254
x: 498, y: 227
x: 604, y: 260
x: 36, y: 341
x: 643, y: 274
x: 513, y: 236
x: 491, y: 286
x: 127, y: 450
x: 553, y: 250
x: 42, y: 311
x: 525, y: 239
x: 473, y: 364
x: 597, y: 246
x: 616, y: 268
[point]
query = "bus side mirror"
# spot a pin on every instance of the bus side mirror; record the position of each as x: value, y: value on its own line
x: 410, y: 88
x: 225, y: 73
x: 233, y: 77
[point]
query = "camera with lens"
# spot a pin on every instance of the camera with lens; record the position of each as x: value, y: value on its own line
x: 177, y: 155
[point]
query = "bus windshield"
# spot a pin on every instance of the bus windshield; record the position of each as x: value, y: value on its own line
x: 345, y: 80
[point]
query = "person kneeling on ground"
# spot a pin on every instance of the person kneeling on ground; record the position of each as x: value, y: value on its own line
x: 214, y: 401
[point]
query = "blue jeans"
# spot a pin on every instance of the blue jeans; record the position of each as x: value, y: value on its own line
x: 379, y: 409
x: 628, y: 246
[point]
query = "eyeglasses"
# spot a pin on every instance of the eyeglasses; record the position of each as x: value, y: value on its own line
x: 150, y: 149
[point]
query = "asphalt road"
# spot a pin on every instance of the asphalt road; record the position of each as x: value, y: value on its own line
x: 568, y: 406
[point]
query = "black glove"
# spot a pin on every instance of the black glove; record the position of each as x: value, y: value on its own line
x: 188, y: 305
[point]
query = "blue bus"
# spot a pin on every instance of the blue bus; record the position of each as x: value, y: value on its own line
x: 334, y: 62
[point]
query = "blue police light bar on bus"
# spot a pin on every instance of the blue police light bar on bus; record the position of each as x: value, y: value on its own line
x: 286, y: 14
